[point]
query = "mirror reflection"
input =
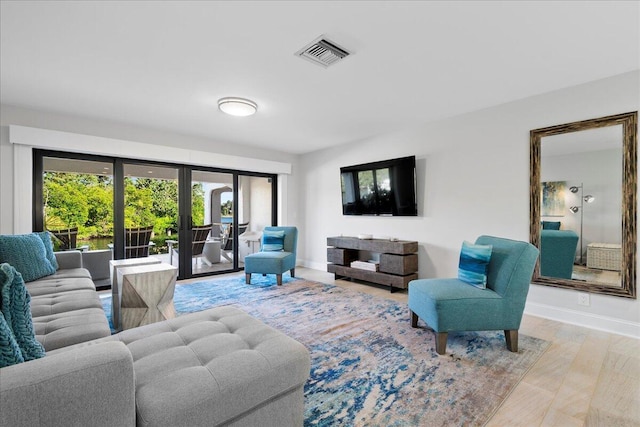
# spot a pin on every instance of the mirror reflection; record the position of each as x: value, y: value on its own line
x: 583, y: 202
x: 581, y: 206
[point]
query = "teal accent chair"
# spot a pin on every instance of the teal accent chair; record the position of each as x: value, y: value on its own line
x: 448, y: 305
x: 274, y: 262
x: 557, y: 253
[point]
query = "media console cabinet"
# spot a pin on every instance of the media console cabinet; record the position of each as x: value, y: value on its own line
x: 398, y: 260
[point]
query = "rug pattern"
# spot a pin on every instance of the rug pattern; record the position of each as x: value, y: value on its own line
x: 368, y: 366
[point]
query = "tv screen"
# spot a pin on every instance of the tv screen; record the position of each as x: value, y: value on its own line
x: 380, y: 188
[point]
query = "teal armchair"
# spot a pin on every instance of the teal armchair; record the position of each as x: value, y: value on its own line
x: 448, y: 305
x: 275, y: 261
x: 557, y: 252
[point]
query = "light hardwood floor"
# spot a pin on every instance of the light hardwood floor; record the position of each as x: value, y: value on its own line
x: 586, y: 377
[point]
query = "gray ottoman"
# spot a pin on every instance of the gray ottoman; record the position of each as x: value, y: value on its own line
x: 216, y: 367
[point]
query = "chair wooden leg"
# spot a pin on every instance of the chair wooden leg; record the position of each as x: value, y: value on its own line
x: 293, y: 272
x: 441, y: 342
x: 414, y: 320
x: 279, y: 279
x: 247, y: 278
x: 511, y: 336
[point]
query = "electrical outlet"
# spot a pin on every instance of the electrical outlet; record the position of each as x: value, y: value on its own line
x: 583, y: 299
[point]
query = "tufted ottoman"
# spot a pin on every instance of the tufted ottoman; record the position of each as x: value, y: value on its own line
x: 216, y: 367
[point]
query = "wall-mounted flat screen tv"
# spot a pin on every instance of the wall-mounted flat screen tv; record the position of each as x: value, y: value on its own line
x: 380, y: 188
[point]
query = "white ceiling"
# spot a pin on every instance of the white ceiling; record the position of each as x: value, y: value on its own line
x: 164, y: 65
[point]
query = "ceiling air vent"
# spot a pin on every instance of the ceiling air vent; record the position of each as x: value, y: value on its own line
x: 322, y: 52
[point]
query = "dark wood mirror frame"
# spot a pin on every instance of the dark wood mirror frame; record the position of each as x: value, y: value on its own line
x: 629, y: 122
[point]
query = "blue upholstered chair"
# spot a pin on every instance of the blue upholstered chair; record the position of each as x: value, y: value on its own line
x: 448, y: 305
x: 271, y: 259
x: 557, y: 252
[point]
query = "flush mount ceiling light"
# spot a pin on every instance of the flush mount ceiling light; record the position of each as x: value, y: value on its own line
x: 237, y: 106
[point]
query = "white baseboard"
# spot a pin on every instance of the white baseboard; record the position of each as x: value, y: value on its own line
x: 588, y: 320
x: 313, y: 265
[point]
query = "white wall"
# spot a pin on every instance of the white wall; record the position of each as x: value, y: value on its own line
x: 260, y: 204
x: 473, y: 179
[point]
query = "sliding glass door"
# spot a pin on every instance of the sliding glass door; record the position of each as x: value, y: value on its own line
x: 202, y: 220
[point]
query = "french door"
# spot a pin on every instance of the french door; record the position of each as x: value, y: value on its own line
x: 202, y: 220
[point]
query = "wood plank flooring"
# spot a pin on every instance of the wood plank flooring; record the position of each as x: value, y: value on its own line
x: 586, y: 378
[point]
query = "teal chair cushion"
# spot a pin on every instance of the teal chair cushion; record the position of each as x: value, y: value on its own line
x: 452, y: 305
x: 474, y: 263
x: 551, y: 225
x: 28, y: 254
x: 272, y: 241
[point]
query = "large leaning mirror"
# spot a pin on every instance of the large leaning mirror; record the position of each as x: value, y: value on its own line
x: 583, y: 204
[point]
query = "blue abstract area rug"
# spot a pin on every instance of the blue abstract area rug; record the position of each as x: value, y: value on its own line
x: 368, y: 366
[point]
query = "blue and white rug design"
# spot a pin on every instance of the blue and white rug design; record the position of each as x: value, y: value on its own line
x: 368, y: 366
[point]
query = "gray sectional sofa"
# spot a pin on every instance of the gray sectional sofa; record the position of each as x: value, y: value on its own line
x: 215, y: 367
x: 65, y: 307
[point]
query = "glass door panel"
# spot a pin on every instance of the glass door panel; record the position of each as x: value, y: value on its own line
x: 151, y: 211
x: 78, y: 196
x: 212, y: 206
x: 255, y: 211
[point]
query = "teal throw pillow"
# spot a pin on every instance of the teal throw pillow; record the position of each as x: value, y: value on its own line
x: 474, y: 263
x: 27, y: 253
x: 272, y: 241
x: 48, y: 246
x: 10, y: 353
x: 551, y: 225
x: 14, y: 305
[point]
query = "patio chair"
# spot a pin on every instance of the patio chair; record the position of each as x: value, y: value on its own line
x: 67, y: 238
x: 137, y: 242
x: 199, y: 235
x: 227, y: 239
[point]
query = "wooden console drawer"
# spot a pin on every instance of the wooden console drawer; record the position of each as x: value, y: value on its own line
x: 398, y: 264
x: 341, y: 256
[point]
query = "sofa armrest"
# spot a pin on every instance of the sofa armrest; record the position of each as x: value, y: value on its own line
x: 92, y: 385
x: 69, y: 259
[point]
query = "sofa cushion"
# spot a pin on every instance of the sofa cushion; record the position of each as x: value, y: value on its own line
x: 15, y: 309
x: 48, y: 246
x: 73, y: 273
x: 60, y: 302
x: 27, y: 253
x: 58, y: 285
x: 474, y: 263
x: 71, y: 327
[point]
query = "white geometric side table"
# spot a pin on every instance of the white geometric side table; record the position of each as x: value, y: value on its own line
x: 116, y: 293
x: 147, y: 294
